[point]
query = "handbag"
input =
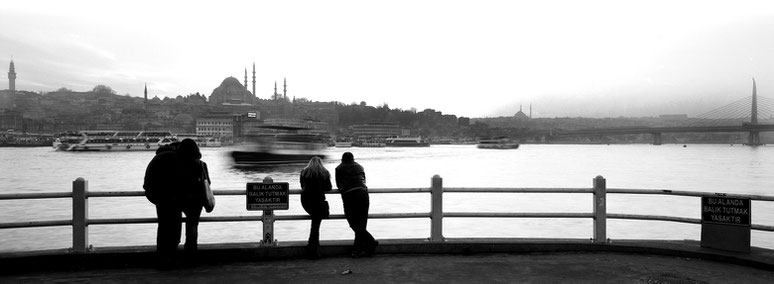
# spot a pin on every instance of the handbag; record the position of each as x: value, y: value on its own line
x: 209, y: 197
x: 209, y: 202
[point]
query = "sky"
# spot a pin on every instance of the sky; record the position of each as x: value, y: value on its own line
x: 467, y: 58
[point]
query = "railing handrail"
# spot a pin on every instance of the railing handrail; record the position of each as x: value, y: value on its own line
x: 599, y: 215
x: 224, y: 192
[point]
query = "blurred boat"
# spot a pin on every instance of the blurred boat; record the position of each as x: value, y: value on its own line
x: 497, y: 143
x: 98, y: 140
x: 279, y: 145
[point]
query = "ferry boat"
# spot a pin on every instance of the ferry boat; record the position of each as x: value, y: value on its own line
x: 202, y: 141
x: 97, y: 140
x: 497, y: 143
x: 343, y: 144
x: 406, y: 142
x: 285, y: 145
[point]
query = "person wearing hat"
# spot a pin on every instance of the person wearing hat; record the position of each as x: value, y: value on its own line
x: 351, y: 182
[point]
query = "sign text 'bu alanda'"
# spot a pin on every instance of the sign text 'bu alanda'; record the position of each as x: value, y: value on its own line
x: 267, y: 196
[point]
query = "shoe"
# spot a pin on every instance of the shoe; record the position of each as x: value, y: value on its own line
x: 371, y: 249
x: 313, y: 252
x: 357, y: 254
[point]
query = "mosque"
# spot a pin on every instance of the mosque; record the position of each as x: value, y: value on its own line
x: 232, y: 92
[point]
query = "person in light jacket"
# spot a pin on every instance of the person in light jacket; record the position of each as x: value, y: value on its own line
x: 315, y: 181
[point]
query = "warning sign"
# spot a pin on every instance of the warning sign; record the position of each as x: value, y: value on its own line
x: 267, y: 196
x: 726, y: 211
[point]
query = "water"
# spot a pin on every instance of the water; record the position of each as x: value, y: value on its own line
x: 708, y: 168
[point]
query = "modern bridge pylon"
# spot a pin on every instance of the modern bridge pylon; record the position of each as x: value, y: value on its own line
x: 755, y: 138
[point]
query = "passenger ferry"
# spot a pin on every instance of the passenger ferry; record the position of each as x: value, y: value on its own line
x: 201, y: 140
x: 95, y: 140
x: 406, y: 142
x: 497, y: 143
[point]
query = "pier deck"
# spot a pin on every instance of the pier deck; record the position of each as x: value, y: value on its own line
x: 456, y: 261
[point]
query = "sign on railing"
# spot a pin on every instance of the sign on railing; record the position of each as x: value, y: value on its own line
x: 725, y: 223
x: 725, y: 211
x: 268, y: 196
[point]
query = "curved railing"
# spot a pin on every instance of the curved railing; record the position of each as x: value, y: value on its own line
x: 80, y: 220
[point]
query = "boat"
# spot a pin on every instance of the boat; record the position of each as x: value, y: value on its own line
x: 406, y: 142
x: 279, y: 145
x: 201, y: 140
x: 343, y: 143
x: 497, y: 143
x: 99, y: 140
x: 19, y: 139
x: 370, y: 143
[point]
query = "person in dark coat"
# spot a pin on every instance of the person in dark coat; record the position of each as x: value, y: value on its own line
x: 193, y: 171
x: 315, y: 181
x: 173, y: 183
x: 350, y: 180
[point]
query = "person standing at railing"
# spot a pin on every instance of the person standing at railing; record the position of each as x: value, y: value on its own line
x: 350, y: 180
x: 315, y: 181
x: 192, y: 170
x: 173, y: 183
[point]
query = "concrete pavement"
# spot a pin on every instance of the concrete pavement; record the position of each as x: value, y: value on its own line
x: 560, y: 267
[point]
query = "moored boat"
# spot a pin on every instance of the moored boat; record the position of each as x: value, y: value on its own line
x: 497, y: 143
x: 201, y: 140
x: 406, y: 142
x: 97, y: 140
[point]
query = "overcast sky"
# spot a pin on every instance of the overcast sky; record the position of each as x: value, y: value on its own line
x: 468, y: 58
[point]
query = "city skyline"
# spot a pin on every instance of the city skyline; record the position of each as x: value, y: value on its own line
x: 594, y: 59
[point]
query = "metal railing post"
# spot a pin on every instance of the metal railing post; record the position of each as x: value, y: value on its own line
x: 80, y: 215
x: 268, y: 222
x: 600, y: 210
x: 436, y: 214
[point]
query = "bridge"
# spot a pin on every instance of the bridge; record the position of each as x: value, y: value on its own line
x: 740, y: 116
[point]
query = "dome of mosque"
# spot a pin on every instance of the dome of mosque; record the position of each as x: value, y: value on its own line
x: 231, y: 91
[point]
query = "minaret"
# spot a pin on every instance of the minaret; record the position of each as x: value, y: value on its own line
x: 254, y: 79
x: 245, y: 78
x: 275, y: 90
x: 12, y: 78
x: 285, y: 88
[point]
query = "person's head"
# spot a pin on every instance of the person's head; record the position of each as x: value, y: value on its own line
x: 168, y: 148
x: 314, y: 168
x: 189, y: 149
x: 347, y: 157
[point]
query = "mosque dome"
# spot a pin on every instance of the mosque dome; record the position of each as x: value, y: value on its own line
x: 231, y: 91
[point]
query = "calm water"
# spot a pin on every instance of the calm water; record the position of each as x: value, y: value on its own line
x: 711, y: 168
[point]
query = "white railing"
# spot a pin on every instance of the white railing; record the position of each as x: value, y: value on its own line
x: 81, y: 221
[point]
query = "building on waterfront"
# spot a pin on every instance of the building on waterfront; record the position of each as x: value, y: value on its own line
x: 375, y: 131
x: 312, y: 125
x: 215, y: 126
x: 231, y: 91
x: 12, y: 78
